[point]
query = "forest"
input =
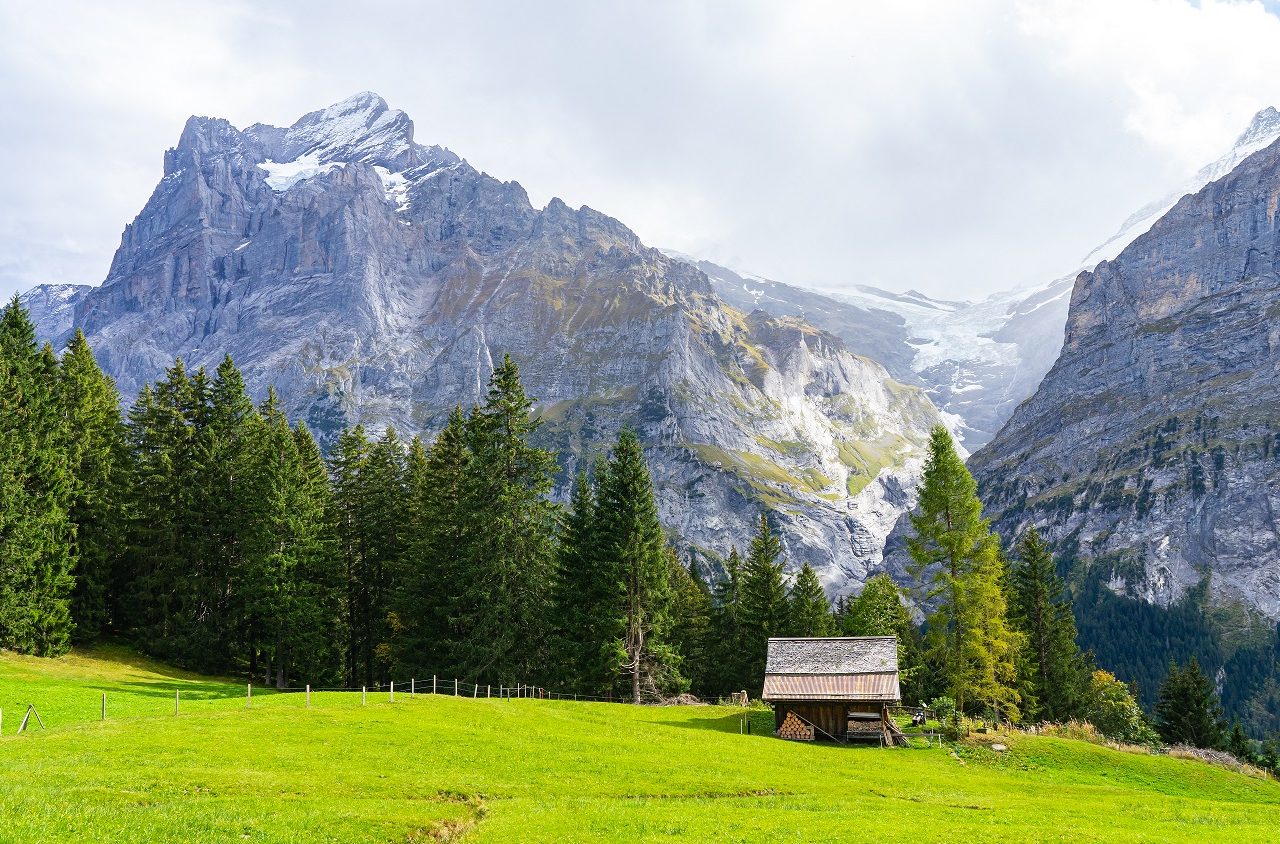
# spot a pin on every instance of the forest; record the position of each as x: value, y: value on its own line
x: 214, y: 534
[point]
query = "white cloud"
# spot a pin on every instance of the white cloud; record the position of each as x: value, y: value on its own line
x: 955, y: 148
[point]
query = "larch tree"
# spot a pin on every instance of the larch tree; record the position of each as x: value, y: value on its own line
x: 956, y: 561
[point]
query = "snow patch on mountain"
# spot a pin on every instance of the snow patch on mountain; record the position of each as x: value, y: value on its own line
x: 282, y: 175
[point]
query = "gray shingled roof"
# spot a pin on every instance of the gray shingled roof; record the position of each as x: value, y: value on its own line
x: 854, y: 655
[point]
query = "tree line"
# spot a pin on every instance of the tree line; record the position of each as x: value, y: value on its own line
x: 215, y: 534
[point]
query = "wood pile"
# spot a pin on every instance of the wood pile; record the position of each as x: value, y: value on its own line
x: 795, y: 729
x: 860, y: 726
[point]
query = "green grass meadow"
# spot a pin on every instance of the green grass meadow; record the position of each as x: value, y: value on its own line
x: 433, y: 768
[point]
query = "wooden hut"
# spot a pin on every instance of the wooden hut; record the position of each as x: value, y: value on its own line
x: 836, y: 688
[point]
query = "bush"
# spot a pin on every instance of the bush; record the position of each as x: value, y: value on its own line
x: 945, y: 710
x: 1113, y: 709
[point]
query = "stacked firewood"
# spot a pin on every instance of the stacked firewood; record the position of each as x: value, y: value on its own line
x: 795, y: 729
x: 865, y: 726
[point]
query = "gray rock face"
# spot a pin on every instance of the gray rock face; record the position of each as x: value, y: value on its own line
x: 52, y: 308
x: 1152, y: 448
x: 373, y: 279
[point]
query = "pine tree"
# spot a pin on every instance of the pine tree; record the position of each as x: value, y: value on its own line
x: 383, y: 513
x: 35, y: 493
x: 1188, y: 711
x: 692, y: 608
x: 347, y: 469
x: 96, y: 456
x: 633, y: 546
x: 730, y: 661
x: 1055, y: 683
x: 438, y: 549
x: 501, y: 614
x: 588, y: 593
x: 1238, y: 744
x: 810, y: 609
x: 956, y: 559
x: 766, y: 611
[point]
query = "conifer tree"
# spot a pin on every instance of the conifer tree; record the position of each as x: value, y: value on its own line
x: 96, y: 456
x: 766, y: 611
x: 956, y: 559
x: 1056, y: 682
x: 729, y: 669
x: 348, y: 477
x: 36, y: 582
x: 810, y: 609
x: 1188, y: 711
x: 587, y: 596
x: 691, y: 609
x: 501, y: 614
x: 437, y: 549
x: 631, y: 543
x: 383, y: 513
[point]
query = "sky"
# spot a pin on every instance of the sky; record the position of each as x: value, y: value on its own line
x: 958, y: 149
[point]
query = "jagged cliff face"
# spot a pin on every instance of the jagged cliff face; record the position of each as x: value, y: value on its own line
x: 1152, y: 448
x: 373, y: 279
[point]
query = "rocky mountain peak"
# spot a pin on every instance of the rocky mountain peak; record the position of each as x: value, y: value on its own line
x: 1263, y: 129
x: 361, y: 128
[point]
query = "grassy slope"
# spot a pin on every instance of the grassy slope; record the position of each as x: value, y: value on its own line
x: 415, y: 770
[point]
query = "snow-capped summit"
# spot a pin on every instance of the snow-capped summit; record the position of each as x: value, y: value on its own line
x: 1262, y: 132
x: 360, y: 128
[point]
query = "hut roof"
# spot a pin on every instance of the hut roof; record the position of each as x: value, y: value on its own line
x: 843, y: 655
x: 848, y: 668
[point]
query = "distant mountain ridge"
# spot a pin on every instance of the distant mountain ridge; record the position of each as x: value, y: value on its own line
x: 374, y: 279
x: 976, y: 360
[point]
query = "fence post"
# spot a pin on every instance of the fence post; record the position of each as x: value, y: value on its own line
x: 413, y: 687
x: 248, y: 699
x: 104, y: 706
x: 475, y: 690
x: 455, y: 686
x: 364, y: 690
x: 393, y: 691
x: 433, y: 684
x: 177, y: 695
x: 488, y: 691
x: 308, y: 695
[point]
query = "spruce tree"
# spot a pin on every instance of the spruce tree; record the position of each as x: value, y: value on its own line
x: 810, y: 609
x: 36, y: 582
x: 587, y: 596
x: 878, y: 610
x: 96, y: 456
x: 766, y: 611
x: 1056, y: 681
x: 383, y: 521
x: 1188, y: 711
x: 956, y: 560
x: 692, y: 608
x: 730, y: 661
x: 347, y: 469
x: 631, y: 543
x: 438, y: 550
x: 501, y: 613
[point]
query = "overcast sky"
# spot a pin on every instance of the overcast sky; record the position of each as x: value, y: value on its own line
x: 955, y: 148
